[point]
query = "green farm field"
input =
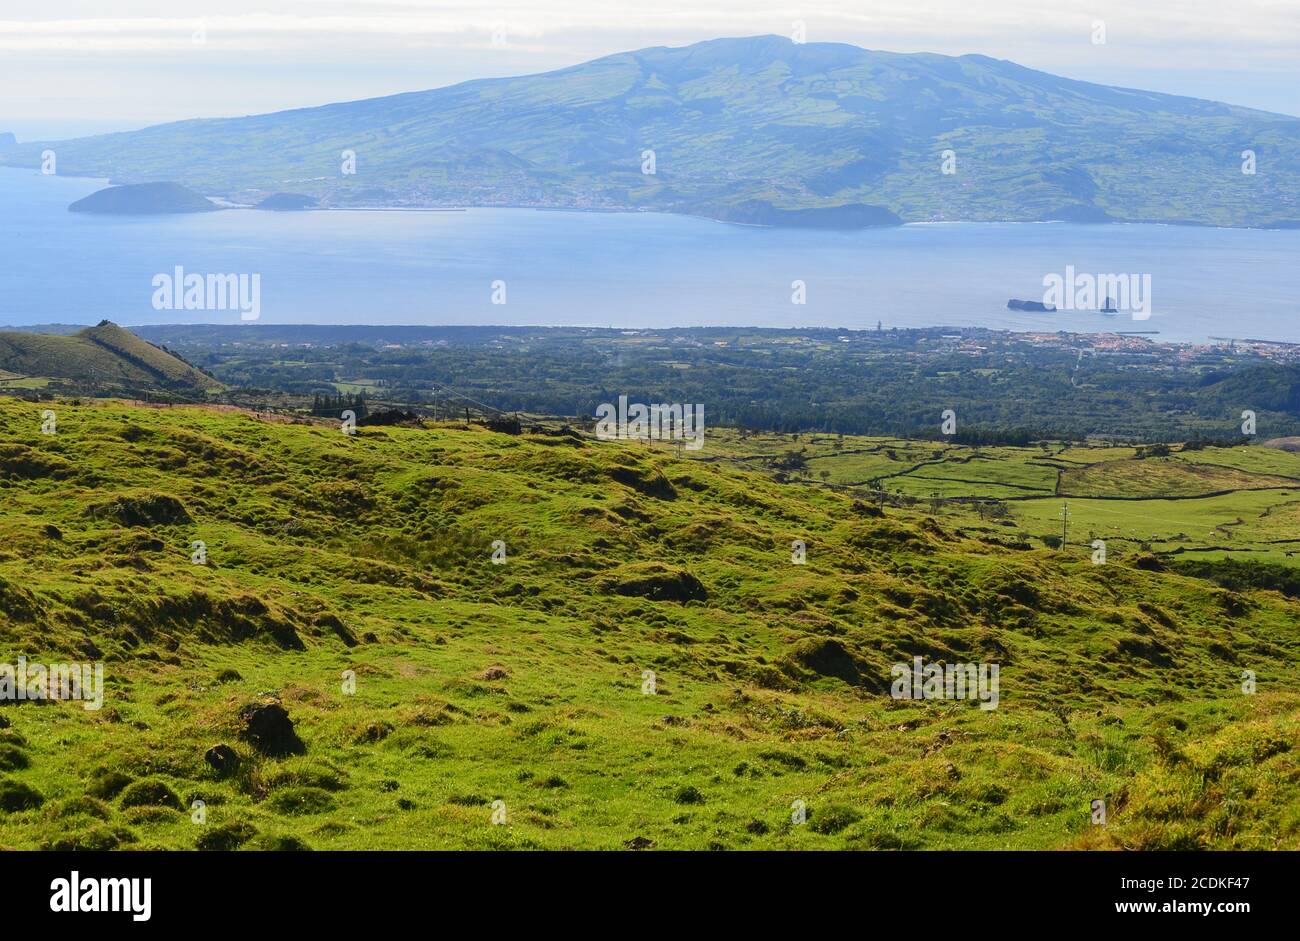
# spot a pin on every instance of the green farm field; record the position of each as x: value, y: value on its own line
x: 1208, y: 501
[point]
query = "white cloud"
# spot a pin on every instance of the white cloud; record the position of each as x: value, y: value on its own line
x: 328, y: 50
x: 1254, y: 26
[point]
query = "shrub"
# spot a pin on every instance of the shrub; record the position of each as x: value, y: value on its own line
x: 832, y: 818
x: 302, y: 800
x: 228, y: 836
x: 15, y: 796
x: 150, y: 793
x: 106, y: 784
x: 12, y: 758
x: 690, y: 794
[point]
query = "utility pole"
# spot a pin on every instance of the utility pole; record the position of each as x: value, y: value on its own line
x: 1065, y: 520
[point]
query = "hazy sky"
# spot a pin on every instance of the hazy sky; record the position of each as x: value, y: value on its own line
x: 72, y: 66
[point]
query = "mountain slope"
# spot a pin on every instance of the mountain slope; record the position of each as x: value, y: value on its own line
x: 740, y: 128
x: 103, y: 357
x: 526, y: 681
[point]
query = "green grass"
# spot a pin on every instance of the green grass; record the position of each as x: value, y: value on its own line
x: 1162, y: 477
x: 1178, y: 523
x: 103, y: 356
x: 1254, y: 460
x: 1205, y: 502
x: 523, y: 682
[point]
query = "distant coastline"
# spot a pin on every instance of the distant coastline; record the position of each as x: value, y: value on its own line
x: 225, y: 203
x: 413, y: 333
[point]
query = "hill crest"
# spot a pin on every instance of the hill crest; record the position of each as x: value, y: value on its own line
x: 102, y: 358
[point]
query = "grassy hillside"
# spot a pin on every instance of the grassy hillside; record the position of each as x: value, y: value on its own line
x: 103, y: 357
x: 746, y: 129
x: 523, y: 682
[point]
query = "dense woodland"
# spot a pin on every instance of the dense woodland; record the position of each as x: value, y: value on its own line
x: 1004, y: 387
